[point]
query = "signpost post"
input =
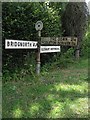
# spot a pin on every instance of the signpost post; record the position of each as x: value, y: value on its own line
x: 38, y: 26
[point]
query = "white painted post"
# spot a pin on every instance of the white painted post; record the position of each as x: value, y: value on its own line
x: 38, y: 54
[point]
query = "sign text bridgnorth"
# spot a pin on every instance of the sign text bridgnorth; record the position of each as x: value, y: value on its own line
x: 19, y: 44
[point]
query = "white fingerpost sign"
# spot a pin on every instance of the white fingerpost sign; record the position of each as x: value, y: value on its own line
x: 49, y: 49
x: 19, y: 44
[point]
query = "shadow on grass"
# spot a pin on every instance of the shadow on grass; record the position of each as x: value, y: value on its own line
x: 60, y: 94
x: 44, y: 100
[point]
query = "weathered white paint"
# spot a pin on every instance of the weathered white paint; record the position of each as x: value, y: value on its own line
x: 48, y: 49
x: 20, y: 44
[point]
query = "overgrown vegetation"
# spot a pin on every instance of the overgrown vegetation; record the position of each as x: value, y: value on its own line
x: 19, y: 23
x: 60, y: 93
x: 75, y: 22
x: 61, y: 90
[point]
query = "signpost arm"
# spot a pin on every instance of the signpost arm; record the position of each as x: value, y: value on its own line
x: 38, y: 54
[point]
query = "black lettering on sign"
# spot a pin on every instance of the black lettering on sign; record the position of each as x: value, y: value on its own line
x: 19, y: 44
x: 25, y: 44
x: 30, y: 44
x: 34, y: 44
x: 11, y: 43
x: 15, y: 44
x: 74, y: 39
x: 43, y: 49
x: 52, y: 48
x: 8, y: 43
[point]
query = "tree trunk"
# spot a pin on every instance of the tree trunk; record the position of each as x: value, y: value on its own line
x: 77, y: 52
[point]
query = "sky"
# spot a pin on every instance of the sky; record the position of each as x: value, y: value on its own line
x: 88, y: 5
x: 87, y: 1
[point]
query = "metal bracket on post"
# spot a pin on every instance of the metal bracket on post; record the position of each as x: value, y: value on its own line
x: 38, y: 26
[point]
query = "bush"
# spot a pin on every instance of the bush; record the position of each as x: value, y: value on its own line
x: 86, y: 45
x: 59, y: 61
x: 19, y: 73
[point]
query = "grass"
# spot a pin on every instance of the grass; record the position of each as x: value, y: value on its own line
x: 61, y: 93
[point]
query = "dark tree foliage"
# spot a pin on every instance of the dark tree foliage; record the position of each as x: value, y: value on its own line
x: 19, y: 23
x: 75, y: 20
